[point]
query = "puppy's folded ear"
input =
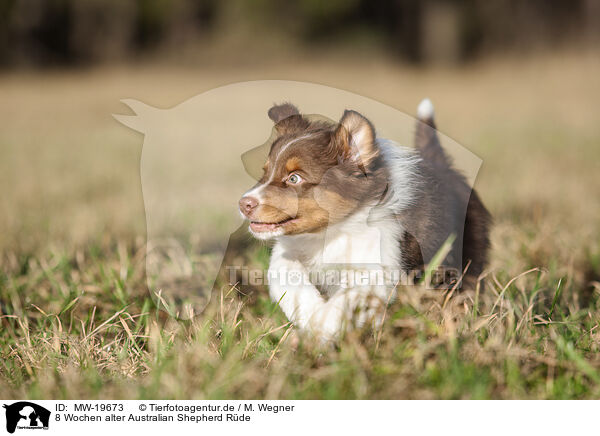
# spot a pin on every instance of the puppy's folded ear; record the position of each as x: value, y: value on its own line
x: 282, y: 111
x: 354, y: 138
x: 287, y: 118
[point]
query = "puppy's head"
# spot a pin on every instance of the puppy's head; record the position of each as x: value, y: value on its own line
x: 317, y: 173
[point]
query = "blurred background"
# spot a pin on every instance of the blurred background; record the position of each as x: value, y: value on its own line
x: 51, y: 33
x: 516, y: 82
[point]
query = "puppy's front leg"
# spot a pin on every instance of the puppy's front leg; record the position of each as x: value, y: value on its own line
x: 289, y: 285
x: 347, y: 308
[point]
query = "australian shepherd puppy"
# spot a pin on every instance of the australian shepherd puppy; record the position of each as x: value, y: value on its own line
x: 347, y: 211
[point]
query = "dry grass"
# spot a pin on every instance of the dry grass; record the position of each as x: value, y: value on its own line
x: 93, y: 332
x: 78, y: 321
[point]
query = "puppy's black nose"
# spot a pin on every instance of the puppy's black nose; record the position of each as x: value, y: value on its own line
x: 247, y: 204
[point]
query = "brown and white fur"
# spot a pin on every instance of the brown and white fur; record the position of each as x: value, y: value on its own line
x: 335, y: 196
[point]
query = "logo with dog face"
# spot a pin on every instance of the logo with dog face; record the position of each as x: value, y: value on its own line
x: 306, y: 179
x: 26, y: 415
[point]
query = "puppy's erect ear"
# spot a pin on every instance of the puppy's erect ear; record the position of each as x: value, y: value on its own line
x: 282, y: 111
x: 354, y: 138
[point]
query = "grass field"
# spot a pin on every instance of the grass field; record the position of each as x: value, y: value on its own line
x: 78, y: 320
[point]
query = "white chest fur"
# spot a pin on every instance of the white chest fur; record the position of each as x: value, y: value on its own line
x: 369, y: 238
x: 314, y: 277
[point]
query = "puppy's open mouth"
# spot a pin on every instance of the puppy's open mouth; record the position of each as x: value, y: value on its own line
x: 258, y: 226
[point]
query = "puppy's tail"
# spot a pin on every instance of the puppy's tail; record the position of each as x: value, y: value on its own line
x: 426, y: 137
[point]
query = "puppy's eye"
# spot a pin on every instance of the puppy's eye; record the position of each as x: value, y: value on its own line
x: 294, y: 179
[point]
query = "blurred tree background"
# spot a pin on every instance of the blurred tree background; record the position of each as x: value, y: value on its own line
x: 86, y: 32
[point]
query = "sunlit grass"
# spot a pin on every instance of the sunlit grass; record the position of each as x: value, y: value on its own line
x: 68, y: 333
